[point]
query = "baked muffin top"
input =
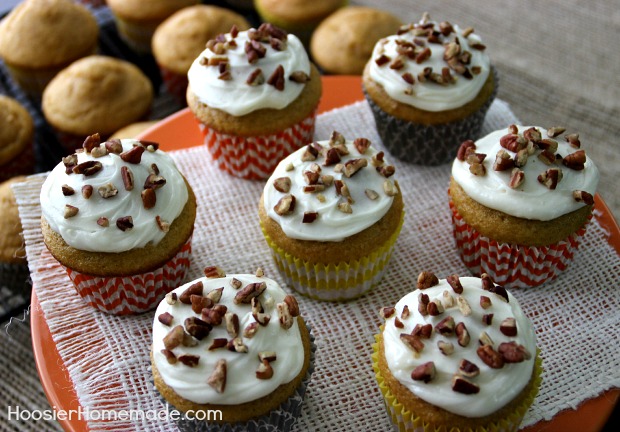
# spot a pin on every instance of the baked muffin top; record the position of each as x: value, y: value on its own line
x: 182, y: 37
x: 97, y: 94
x: 47, y: 33
x: 461, y: 344
x: 16, y: 129
x: 136, y: 10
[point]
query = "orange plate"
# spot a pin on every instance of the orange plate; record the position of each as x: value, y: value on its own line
x: 180, y: 131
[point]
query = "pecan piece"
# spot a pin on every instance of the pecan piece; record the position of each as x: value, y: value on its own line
x: 462, y: 335
x: 446, y: 348
x: 445, y: 326
x: 351, y: 167
x: 197, y: 328
x: 127, y: 177
x: 551, y: 178
x: 284, y: 315
x: 361, y: 144
x: 423, y: 331
x: 387, y: 312
x: 70, y: 211
x: 390, y: 188
x: 133, y: 155
x: 67, y: 190
x: 517, y: 177
x: 250, y: 291
x: 264, y: 371
x: 490, y: 357
x: 299, y: 77
x: 193, y: 289
x: 554, y: 131
x: 189, y: 360
x: 162, y: 224
x: 487, y: 319
x: 512, y: 352
x: 309, y: 217
x: 426, y: 280
x: 575, y: 161
x: 282, y: 184
x: 293, y: 306
x: 463, y: 385
x: 154, y: 181
x: 503, y: 161
x: 174, y: 338
x: 468, y: 369
x: 199, y: 302
x: 87, y: 191
x: 424, y: 372
x: 277, y: 78
x: 412, y: 342
x: 237, y: 345
x: 218, y: 343
x: 423, y: 301
x: 217, y: 379
x: 583, y: 196
x: 573, y: 140
x: 250, y: 330
x: 124, y: 223
x: 508, y: 327
x: 170, y: 357
x: 465, y: 148
x: 103, y: 222
x: 455, y: 283
x: 165, y: 318
x: 213, y: 272
x: 285, y: 206
x: 108, y: 190
x: 232, y: 324
x: 88, y: 168
x: 513, y: 142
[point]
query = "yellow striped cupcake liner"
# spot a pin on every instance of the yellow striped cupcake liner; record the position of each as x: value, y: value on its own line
x: 407, y: 421
x: 346, y: 280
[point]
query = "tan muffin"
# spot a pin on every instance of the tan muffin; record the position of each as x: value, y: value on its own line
x: 263, y: 121
x: 133, y: 130
x: 11, y: 241
x: 136, y: 22
x: 343, y: 42
x: 97, y: 94
x: 40, y: 37
x: 16, y: 139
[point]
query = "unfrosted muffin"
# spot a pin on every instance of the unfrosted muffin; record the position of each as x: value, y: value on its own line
x: 119, y: 217
x: 182, y: 37
x: 521, y: 199
x: 38, y: 38
x: 299, y: 17
x: 331, y: 213
x: 16, y: 139
x: 457, y: 354
x: 133, y: 130
x: 136, y: 21
x: 234, y: 343
x: 96, y: 94
x: 255, y: 94
x: 343, y: 42
x: 429, y: 87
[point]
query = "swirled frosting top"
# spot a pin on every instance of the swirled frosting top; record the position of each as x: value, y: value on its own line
x: 213, y: 344
x: 464, y: 346
x: 241, y: 72
x: 431, y: 66
x: 527, y: 171
x: 330, y: 190
x: 113, y: 196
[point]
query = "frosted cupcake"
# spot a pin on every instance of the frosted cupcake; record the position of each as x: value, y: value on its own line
x: 429, y: 87
x: 521, y: 199
x: 234, y: 343
x: 331, y: 213
x: 457, y: 354
x: 119, y: 217
x: 255, y: 95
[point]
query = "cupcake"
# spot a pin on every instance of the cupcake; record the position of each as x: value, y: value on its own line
x: 133, y: 130
x: 343, y: 42
x: 14, y: 275
x: 521, y: 200
x: 182, y: 37
x: 429, y: 87
x: 331, y: 213
x: 16, y: 139
x: 255, y: 94
x: 235, y: 345
x: 38, y: 38
x: 119, y: 217
x: 136, y: 22
x: 96, y: 94
x: 299, y: 17
x: 457, y: 354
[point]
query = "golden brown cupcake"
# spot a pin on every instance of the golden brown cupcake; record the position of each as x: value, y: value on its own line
x: 299, y: 17
x: 255, y: 94
x: 96, y: 94
x: 457, y: 354
x: 182, y: 37
x: 236, y: 343
x: 11, y: 241
x: 331, y: 213
x: 136, y: 21
x: 133, y: 130
x: 16, y: 139
x: 343, y: 42
x: 119, y: 217
x: 41, y: 37
x: 521, y: 199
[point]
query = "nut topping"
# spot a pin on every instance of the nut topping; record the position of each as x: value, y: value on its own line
x: 455, y: 283
x: 551, y: 177
x: 133, y: 155
x: 108, y: 190
x: 508, y: 327
x: 512, y: 352
x: 67, y: 190
x: 87, y: 191
x: 463, y: 385
x: 70, y: 211
x: 91, y: 142
x: 189, y: 360
x: 445, y: 326
x: 575, y: 161
x: 174, y: 338
x: 87, y: 168
x: 412, y: 342
x: 293, y: 306
x: 217, y: 379
x: 426, y: 280
x: 424, y: 372
x: 165, y: 318
x: 285, y: 206
x: 490, y: 357
x: 282, y: 184
x: 127, y: 177
x: 193, y: 289
x: 462, y: 335
x: 232, y: 324
x: 250, y: 291
x: 284, y: 316
x: 197, y: 328
x: 446, y: 348
x: 468, y: 369
x: 264, y: 371
x: 584, y: 197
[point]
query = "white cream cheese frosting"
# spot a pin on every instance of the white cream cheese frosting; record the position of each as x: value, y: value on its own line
x: 339, y: 214
x: 226, y: 87
x: 496, y: 386
x: 85, y: 229
x: 400, y: 64
x: 532, y: 199
x: 241, y: 381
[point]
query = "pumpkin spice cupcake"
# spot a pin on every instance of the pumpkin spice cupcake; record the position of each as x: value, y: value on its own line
x: 16, y: 139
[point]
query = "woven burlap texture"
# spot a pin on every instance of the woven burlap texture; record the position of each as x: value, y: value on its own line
x: 576, y: 316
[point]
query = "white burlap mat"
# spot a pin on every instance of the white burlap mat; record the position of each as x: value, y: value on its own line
x: 577, y: 316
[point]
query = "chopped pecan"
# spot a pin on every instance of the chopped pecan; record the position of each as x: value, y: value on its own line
x: 215, y: 294
x: 423, y: 331
x: 189, y: 360
x: 423, y: 301
x: 170, y: 357
x: 250, y: 330
x: 371, y: 194
x: 463, y: 385
x: 446, y: 348
x: 512, y: 352
x: 445, y: 326
x: 550, y: 178
x: 386, y: 170
x: 575, y: 161
x: 299, y: 77
x: 293, y: 306
x: 282, y: 184
x: 485, y: 302
x: 67, y: 190
x: 114, y: 146
x: 284, y: 315
x: 485, y: 339
x: 487, y: 319
x: 277, y: 78
x: 237, y: 345
x: 154, y: 181
x: 232, y: 324
x: 435, y: 308
x: 199, y: 302
x: 517, y: 177
x: 424, y: 372
x: 256, y: 77
x: 412, y: 342
x: 87, y: 191
x: 91, y: 142
x: 468, y: 369
x: 309, y: 217
x: 465, y: 148
x: 573, y: 140
x: 149, y: 199
x: 217, y: 379
x: 165, y: 318
x: 513, y: 142
x: 455, y: 283
x: 195, y: 288
x: 583, y: 196
x: 503, y: 161
x: 171, y: 298
x: 352, y: 166
x: 218, y: 343
x: 477, y: 169
x: 162, y: 224
x: 554, y: 131
x: 508, y: 327
x: 264, y: 371
x: 133, y: 155
x: 174, y: 337
x: 70, y: 211
x: 213, y: 272
x: 251, y: 290
x: 103, y: 222
x: 463, y: 306
x: 285, y: 206
x: 387, y: 312
x: 490, y: 357
x: 426, y: 280
x: 390, y: 188
x: 462, y: 335
x: 197, y: 328
x: 405, y: 312
x: 215, y: 315
x: 88, y: 168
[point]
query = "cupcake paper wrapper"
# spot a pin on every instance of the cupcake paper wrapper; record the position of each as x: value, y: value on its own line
x: 279, y: 420
x: 127, y: 295
x: 511, y: 265
x: 22, y: 164
x: 254, y: 158
x: 407, y: 421
x: 428, y: 144
x: 175, y: 83
x: 334, y: 282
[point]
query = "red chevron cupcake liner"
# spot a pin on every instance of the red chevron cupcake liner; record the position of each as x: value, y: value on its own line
x: 129, y: 295
x: 513, y: 265
x: 255, y: 158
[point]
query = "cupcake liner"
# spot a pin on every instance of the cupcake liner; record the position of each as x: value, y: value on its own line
x: 254, y: 158
x: 137, y: 35
x: 176, y: 84
x: 513, y: 265
x: 428, y: 144
x: 334, y: 282
x: 279, y: 420
x: 407, y: 421
x: 22, y: 164
x: 127, y: 295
